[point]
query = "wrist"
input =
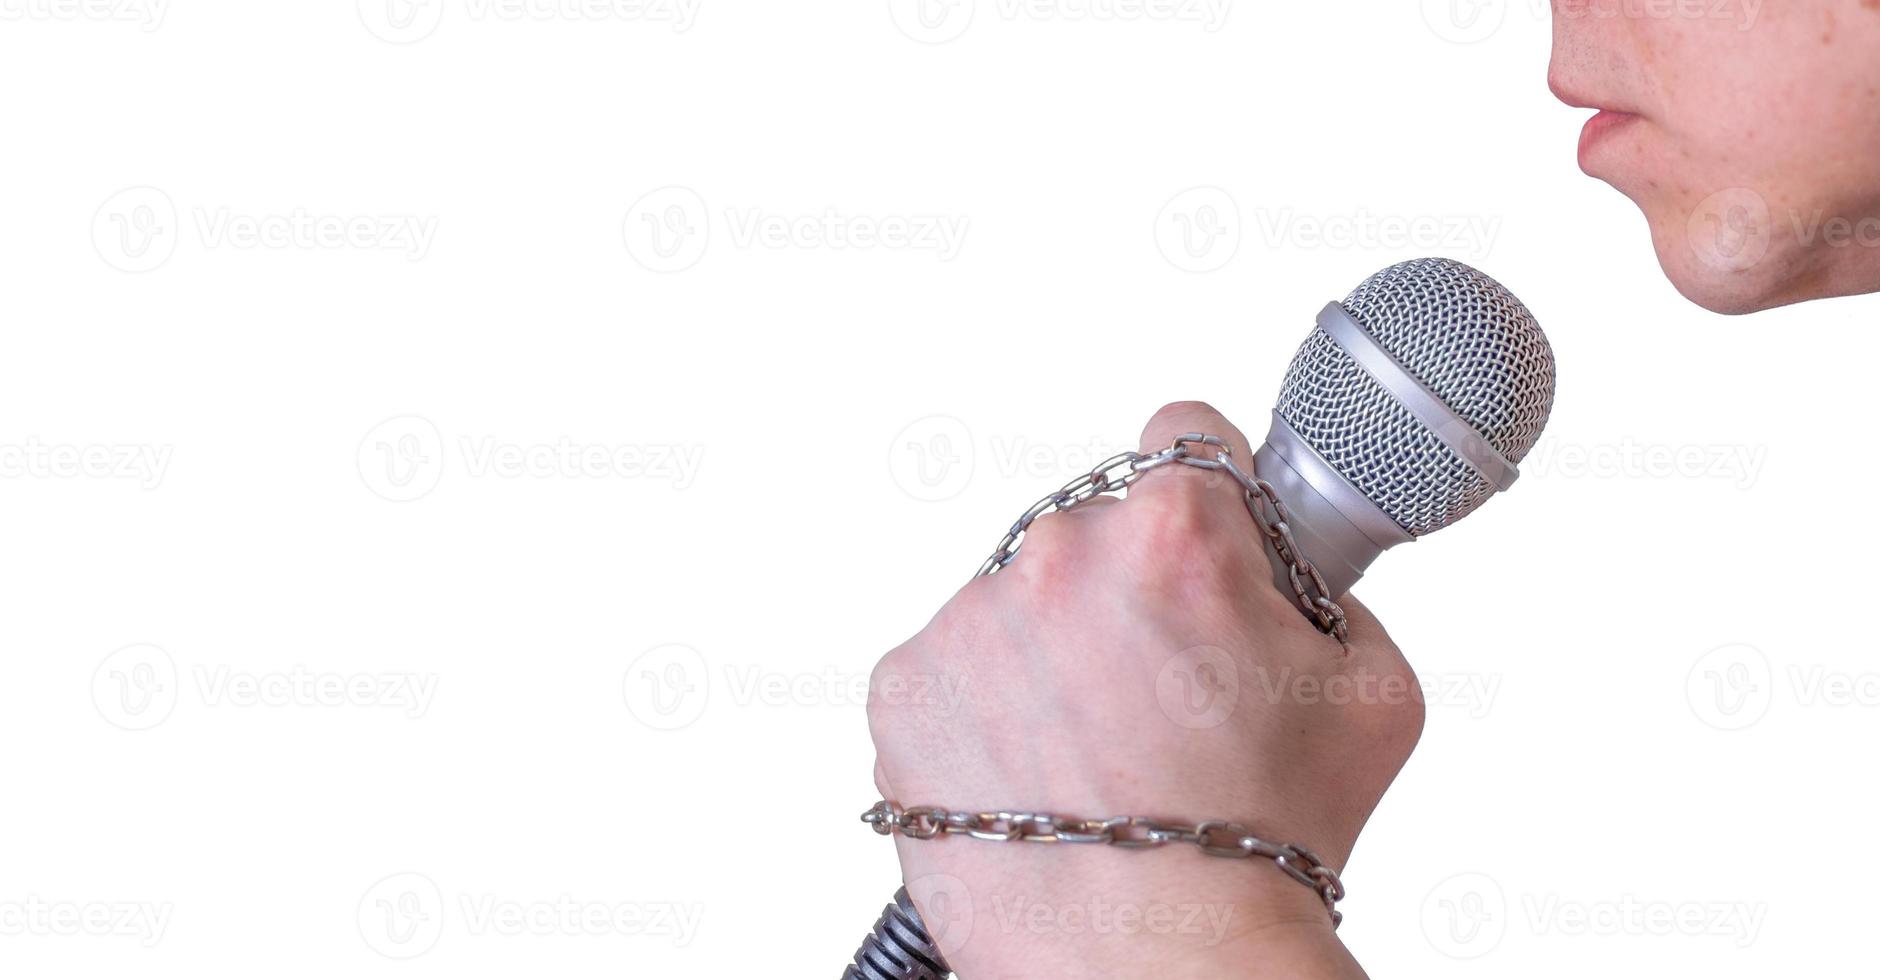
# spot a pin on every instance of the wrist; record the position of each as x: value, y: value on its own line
x: 1068, y: 911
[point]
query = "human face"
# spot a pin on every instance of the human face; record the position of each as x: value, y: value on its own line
x: 1747, y: 131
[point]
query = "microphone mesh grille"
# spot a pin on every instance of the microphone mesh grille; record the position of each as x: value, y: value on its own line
x: 1468, y: 340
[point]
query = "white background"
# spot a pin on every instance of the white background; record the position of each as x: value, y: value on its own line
x: 1701, y: 487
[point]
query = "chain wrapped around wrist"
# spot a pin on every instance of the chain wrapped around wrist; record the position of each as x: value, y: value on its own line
x: 1216, y: 838
x: 1119, y: 472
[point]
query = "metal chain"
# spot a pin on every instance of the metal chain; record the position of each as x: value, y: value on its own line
x: 1120, y: 472
x: 1216, y: 838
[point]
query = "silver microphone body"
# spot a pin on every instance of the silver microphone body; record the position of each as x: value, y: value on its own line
x: 1407, y: 408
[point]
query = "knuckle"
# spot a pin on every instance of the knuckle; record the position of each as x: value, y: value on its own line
x: 1178, y: 515
x: 1179, y: 533
x: 887, y: 668
x: 1048, y: 533
x: 1051, y: 549
x: 1393, y: 717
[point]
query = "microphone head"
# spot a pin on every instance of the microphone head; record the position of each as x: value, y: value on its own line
x: 1465, y: 339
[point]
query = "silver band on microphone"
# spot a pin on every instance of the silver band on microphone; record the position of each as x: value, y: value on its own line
x: 1461, y: 437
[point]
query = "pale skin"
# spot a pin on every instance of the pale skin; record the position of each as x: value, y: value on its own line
x: 1747, y: 131
x: 1074, y: 668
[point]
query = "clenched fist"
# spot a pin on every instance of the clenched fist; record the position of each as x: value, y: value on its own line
x: 1135, y: 659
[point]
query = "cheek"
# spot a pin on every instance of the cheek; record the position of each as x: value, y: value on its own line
x: 1795, y: 99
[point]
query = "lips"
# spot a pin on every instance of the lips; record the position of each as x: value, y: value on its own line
x: 1607, y: 122
x: 1602, y: 127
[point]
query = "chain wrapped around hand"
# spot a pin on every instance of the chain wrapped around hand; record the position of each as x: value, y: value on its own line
x: 1119, y: 472
x: 1216, y: 838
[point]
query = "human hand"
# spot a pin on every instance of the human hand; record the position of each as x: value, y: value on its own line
x: 1136, y: 659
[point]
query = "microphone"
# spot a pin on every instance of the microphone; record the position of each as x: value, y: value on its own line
x: 1405, y: 410
x: 1408, y: 407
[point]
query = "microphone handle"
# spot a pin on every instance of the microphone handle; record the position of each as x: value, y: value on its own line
x: 899, y: 947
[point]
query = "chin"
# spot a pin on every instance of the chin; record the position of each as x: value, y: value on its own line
x: 1724, y: 254
x: 1730, y: 252
x: 1730, y: 292
x: 1784, y: 273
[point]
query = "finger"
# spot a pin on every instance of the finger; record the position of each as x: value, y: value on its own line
x: 1214, y: 491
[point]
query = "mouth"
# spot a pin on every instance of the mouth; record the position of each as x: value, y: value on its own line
x: 1605, y: 123
x: 1602, y: 127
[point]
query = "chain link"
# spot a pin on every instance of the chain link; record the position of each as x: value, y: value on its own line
x: 1216, y: 838
x: 1269, y: 513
